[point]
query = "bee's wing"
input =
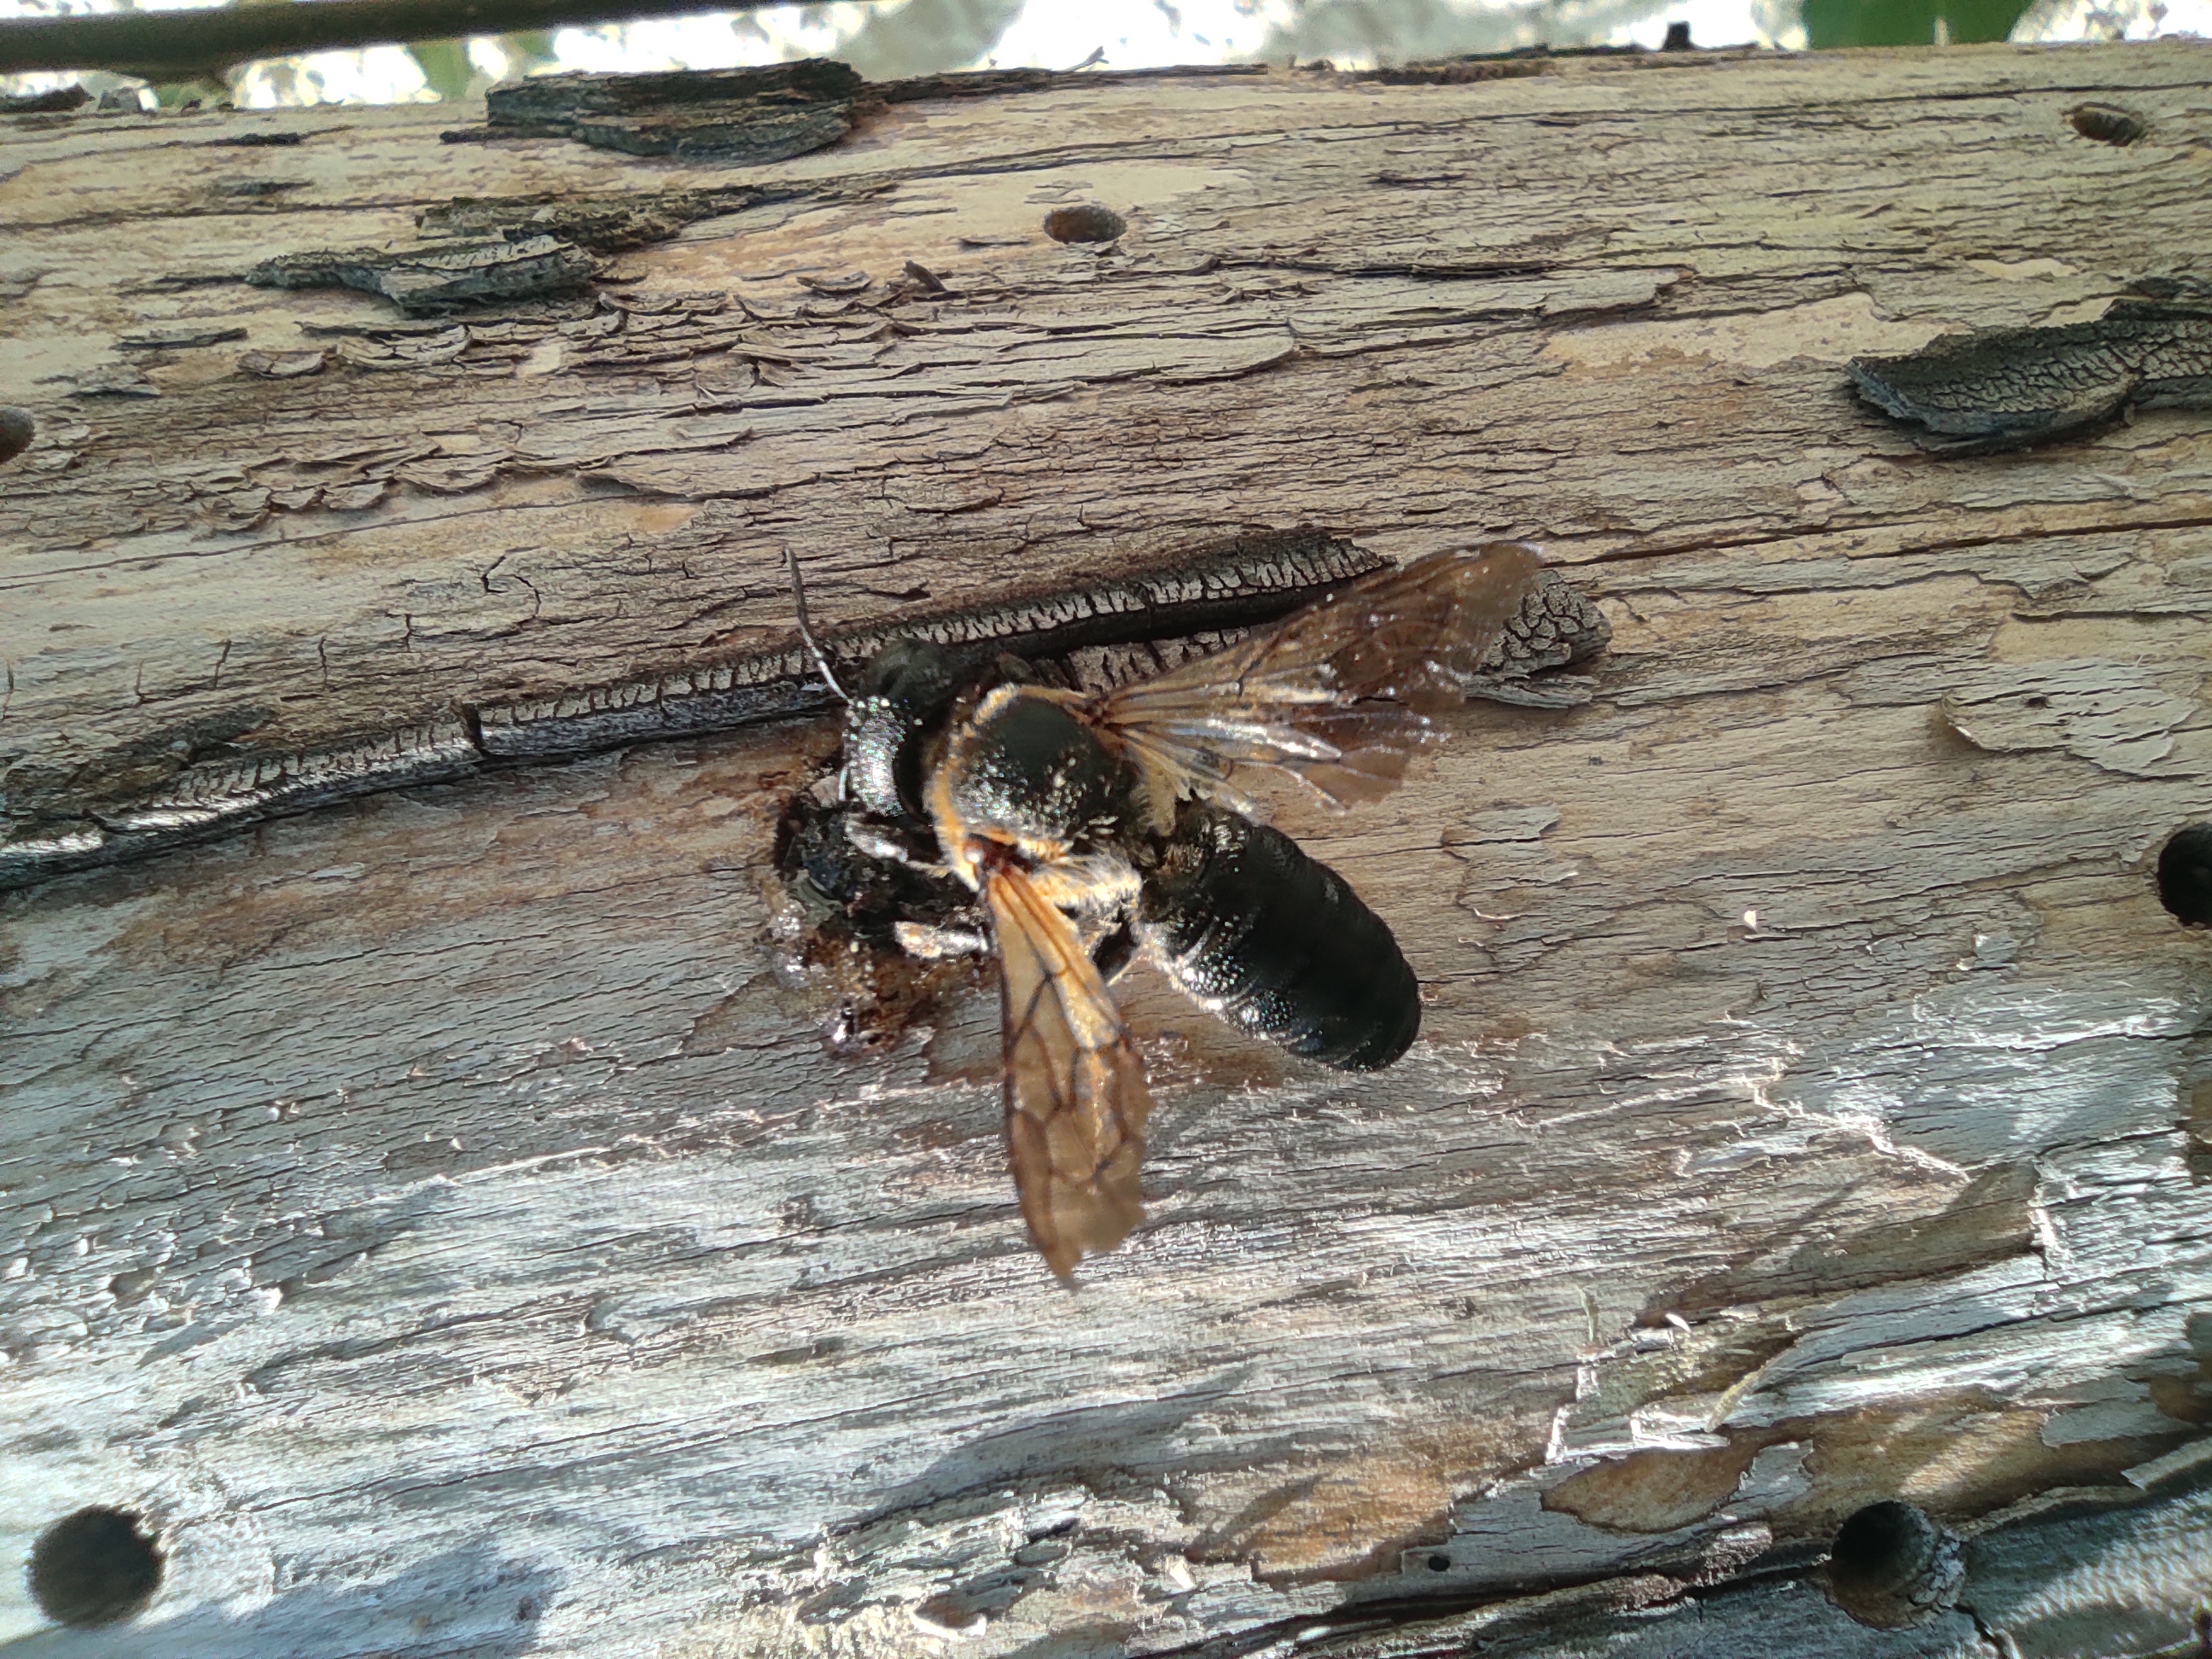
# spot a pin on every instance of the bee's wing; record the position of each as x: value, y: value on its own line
x: 1076, y: 1100
x: 1334, y: 693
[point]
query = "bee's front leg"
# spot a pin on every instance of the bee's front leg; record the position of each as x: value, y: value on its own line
x: 878, y: 840
x: 936, y: 944
x: 1098, y: 891
x: 1092, y: 886
x: 1114, y: 951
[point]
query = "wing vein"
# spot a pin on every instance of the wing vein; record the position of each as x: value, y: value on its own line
x: 1338, y: 694
x: 1075, y: 1097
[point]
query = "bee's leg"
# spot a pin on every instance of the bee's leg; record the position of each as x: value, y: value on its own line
x: 1115, y: 952
x: 1098, y: 891
x: 1020, y: 671
x: 881, y: 840
x: 1094, y: 886
x: 935, y: 943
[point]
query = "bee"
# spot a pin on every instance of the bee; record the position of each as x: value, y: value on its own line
x: 1082, y: 828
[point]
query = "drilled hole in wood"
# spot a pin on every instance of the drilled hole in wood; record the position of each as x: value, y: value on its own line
x: 1087, y: 223
x: 2184, y: 875
x: 17, y: 429
x: 94, y: 1567
x: 1440, y: 1564
x: 1891, y: 1566
x: 2107, y: 123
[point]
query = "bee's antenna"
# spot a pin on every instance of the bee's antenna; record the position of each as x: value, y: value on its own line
x: 807, y: 628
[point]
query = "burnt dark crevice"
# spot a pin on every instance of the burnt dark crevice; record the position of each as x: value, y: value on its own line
x: 1232, y: 582
x: 747, y: 117
x: 2006, y: 388
x: 144, y: 804
x: 612, y: 222
x: 438, y: 277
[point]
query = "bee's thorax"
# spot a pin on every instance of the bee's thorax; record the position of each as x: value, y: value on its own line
x: 1024, y: 770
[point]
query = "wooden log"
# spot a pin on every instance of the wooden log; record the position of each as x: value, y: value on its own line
x: 438, y: 1215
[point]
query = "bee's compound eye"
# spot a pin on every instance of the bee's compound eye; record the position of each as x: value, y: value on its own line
x: 910, y: 672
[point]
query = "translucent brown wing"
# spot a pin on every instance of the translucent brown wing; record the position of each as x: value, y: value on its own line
x: 1076, y: 1100
x: 1337, y: 693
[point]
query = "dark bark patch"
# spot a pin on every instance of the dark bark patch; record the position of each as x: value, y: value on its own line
x: 742, y: 116
x: 603, y: 224
x: 179, y: 339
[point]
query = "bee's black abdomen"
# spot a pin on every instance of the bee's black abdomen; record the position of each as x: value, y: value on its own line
x: 1278, y: 942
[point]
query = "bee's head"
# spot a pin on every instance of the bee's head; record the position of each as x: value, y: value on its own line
x: 904, y: 695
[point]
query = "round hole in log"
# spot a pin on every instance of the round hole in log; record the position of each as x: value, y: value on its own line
x: 1087, y: 223
x: 2184, y: 875
x: 1891, y: 1566
x: 17, y: 429
x: 94, y: 1567
x: 2107, y: 123
x: 1440, y: 1564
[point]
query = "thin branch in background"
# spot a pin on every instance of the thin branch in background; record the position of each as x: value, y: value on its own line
x: 192, y: 45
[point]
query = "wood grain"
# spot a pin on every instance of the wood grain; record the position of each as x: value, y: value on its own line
x: 440, y: 1215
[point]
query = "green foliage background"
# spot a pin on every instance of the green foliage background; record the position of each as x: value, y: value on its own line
x: 1907, y: 22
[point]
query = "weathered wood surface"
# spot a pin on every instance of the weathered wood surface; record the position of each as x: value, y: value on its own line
x: 438, y: 1216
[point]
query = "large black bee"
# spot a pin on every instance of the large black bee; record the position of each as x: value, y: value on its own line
x: 1092, y: 825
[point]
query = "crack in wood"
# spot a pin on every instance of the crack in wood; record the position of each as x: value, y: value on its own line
x: 1201, y: 589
